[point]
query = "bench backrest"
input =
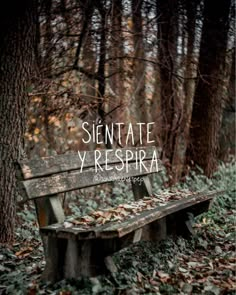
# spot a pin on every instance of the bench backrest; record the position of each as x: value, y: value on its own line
x: 44, y: 178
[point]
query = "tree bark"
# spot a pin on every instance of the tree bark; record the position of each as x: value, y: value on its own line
x: 190, y: 61
x: 18, y: 36
x: 207, y: 108
x: 155, y: 106
x: 116, y: 65
x: 117, y: 42
x: 139, y: 104
x: 101, y: 69
x: 48, y: 63
x: 171, y: 104
x: 227, y: 135
x: 89, y: 60
x: 118, y: 102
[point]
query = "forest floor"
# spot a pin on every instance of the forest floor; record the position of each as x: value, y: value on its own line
x: 206, y: 264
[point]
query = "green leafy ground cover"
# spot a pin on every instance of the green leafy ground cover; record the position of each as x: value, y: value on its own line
x: 203, y: 265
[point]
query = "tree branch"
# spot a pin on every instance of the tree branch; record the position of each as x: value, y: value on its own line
x: 149, y: 61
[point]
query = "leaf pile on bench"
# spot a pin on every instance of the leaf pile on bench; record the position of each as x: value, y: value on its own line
x: 123, y: 212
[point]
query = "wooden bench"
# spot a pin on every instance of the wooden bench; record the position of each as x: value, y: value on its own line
x: 74, y: 251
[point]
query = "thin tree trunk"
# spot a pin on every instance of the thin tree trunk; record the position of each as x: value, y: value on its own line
x: 89, y: 60
x: 116, y: 50
x: 188, y: 86
x: 48, y: 62
x: 139, y: 96
x: 207, y: 108
x: 117, y: 104
x: 116, y: 65
x: 171, y: 105
x: 18, y: 36
x: 101, y: 72
x: 227, y: 135
x: 156, y: 104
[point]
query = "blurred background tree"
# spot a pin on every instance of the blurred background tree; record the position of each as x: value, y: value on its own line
x: 135, y: 61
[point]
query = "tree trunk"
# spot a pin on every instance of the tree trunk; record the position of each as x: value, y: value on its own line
x: 101, y: 70
x: 116, y: 65
x: 171, y: 104
x: 190, y: 60
x: 138, y: 103
x: 117, y: 42
x: 17, y: 35
x: 156, y: 103
x: 227, y: 134
x: 48, y: 62
x: 207, y: 108
x: 89, y: 60
x: 117, y: 104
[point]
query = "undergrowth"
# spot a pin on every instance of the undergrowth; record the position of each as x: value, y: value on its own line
x: 204, y: 264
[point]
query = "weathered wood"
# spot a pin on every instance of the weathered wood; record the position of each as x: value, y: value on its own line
x: 71, y: 161
x: 63, y: 182
x: 89, y: 258
x: 154, y: 214
x: 177, y: 224
x: 71, y: 257
x: 82, y: 258
x: 195, y: 204
x: 155, y: 231
x: 49, y: 211
x: 79, y: 259
x: 55, y: 258
x: 137, y: 235
x: 141, y: 187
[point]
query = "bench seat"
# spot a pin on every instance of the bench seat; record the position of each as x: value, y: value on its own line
x: 112, y: 229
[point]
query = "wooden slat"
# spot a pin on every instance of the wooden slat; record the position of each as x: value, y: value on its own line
x: 147, y: 217
x: 114, y: 229
x: 141, y: 189
x: 49, y: 210
x: 63, y: 182
x: 71, y: 161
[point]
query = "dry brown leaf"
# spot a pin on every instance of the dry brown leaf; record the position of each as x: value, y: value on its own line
x: 24, y: 251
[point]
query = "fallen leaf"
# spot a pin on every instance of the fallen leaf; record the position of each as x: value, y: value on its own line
x: 24, y: 251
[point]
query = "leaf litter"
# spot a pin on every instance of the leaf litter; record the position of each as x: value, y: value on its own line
x: 123, y: 212
x: 203, y: 265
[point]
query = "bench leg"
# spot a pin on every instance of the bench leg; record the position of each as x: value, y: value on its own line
x: 55, y: 250
x: 180, y: 224
x: 155, y: 231
x: 74, y: 258
x: 83, y: 258
x: 90, y: 258
x: 78, y: 259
